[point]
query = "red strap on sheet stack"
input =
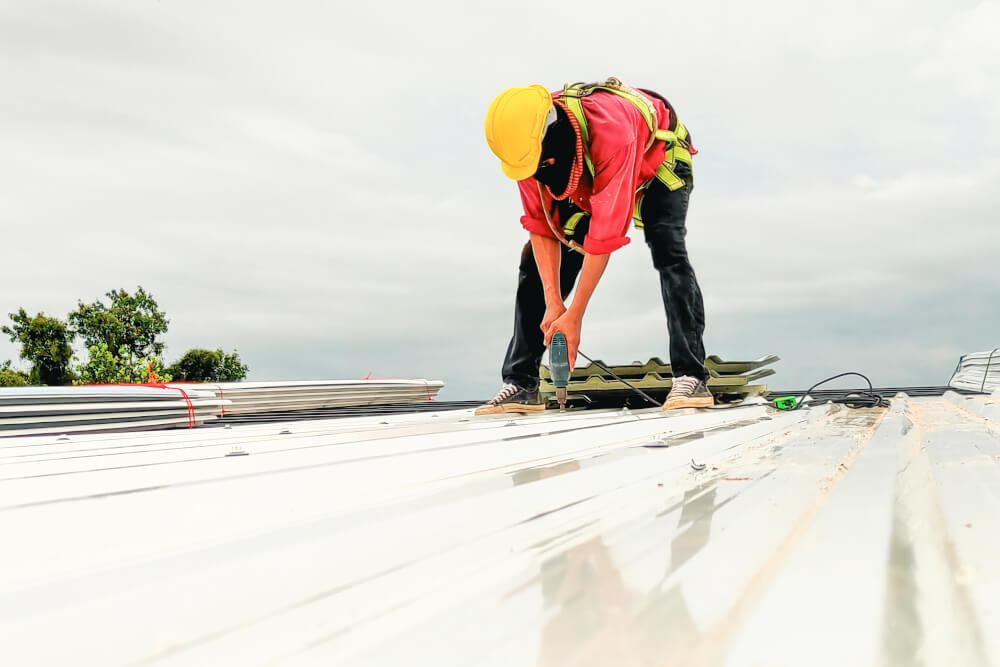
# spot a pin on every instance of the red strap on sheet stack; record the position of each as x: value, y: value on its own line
x: 192, y: 421
x: 222, y: 403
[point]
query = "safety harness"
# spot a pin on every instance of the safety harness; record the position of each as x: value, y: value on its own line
x: 678, y: 147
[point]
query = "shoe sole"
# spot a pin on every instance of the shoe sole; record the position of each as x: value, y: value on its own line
x: 693, y: 402
x: 508, y: 407
x: 516, y: 407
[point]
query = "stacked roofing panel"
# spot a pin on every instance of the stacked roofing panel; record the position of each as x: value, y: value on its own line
x: 29, y: 410
x: 978, y: 371
x: 729, y: 381
x: 37, y: 410
x: 254, y: 397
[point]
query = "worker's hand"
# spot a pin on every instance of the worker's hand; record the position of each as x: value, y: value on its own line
x: 569, y: 324
x: 553, y: 312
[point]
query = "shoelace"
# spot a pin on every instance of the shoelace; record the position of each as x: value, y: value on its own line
x: 683, y: 385
x: 505, y: 392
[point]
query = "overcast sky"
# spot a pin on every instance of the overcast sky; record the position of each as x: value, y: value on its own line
x: 308, y: 182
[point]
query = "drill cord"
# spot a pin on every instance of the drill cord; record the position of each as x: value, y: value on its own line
x: 609, y: 371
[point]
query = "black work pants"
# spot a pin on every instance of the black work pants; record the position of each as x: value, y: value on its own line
x: 663, y: 215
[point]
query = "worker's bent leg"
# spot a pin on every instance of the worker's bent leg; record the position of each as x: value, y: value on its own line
x: 524, y: 353
x: 663, y: 216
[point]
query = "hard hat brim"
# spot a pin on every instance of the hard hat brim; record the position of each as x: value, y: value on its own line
x: 521, y: 173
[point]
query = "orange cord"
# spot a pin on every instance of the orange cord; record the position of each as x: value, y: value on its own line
x: 576, y: 171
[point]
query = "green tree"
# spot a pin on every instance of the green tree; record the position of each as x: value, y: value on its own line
x: 45, y: 342
x: 10, y: 377
x: 134, y: 322
x: 232, y: 369
x: 105, y: 367
x: 198, y: 365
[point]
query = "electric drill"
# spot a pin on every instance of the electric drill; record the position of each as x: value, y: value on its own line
x: 559, y: 367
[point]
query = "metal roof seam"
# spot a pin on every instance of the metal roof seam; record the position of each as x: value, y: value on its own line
x: 951, y: 628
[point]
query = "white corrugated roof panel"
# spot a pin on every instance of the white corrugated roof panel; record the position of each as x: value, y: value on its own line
x: 739, y: 536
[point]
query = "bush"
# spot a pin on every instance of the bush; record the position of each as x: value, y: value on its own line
x: 12, y: 378
x: 103, y: 367
x: 200, y: 365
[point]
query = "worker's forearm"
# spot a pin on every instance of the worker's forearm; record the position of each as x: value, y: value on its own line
x: 547, y: 251
x: 590, y: 275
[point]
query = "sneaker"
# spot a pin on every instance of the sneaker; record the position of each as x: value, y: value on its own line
x: 512, y: 398
x: 688, y: 392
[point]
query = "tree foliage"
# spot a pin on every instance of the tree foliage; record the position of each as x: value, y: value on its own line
x: 10, y: 377
x: 45, y: 342
x: 198, y: 365
x: 105, y: 367
x: 123, y: 337
x: 133, y: 322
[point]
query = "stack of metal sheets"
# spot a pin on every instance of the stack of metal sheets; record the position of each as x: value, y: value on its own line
x: 730, y: 380
x: 255, y: 397
x: 978, y: 371
x: 40, y: 410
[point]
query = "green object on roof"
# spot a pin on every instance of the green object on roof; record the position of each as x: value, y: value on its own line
x: 786, y: 402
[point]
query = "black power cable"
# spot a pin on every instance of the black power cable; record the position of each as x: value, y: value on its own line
x: 852, y: 399
x: 986, y: 373
x: 608, y: 370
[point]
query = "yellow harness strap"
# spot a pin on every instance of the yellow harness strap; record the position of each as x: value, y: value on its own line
x: 574, y: 220
x: 677, y: 147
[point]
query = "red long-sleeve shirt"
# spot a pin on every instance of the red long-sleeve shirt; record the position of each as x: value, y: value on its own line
x: 618, y: 133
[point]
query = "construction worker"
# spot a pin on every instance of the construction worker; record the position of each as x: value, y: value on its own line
x: 589, y: 160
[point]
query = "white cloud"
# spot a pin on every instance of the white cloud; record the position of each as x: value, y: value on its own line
x: 311, y: 184
x: 967, y: 53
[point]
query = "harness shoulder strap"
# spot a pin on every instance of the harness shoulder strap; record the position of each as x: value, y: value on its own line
x: 571, y: 96
x: 572, y: 92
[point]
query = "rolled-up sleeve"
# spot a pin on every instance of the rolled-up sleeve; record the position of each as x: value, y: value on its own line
x: 534, y: 218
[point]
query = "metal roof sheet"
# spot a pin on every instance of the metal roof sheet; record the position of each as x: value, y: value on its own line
x: 739, y: 536
x: 978, y: 371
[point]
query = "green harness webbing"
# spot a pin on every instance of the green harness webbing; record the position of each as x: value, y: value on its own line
x: 677, y: 146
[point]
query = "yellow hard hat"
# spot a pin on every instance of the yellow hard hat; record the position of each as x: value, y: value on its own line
x: 515, y: 123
